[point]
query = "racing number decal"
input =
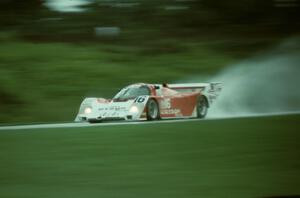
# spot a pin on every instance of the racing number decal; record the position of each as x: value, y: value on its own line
x: 140, y: 99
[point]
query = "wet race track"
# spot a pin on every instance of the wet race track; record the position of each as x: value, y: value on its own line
x: 74, y: 124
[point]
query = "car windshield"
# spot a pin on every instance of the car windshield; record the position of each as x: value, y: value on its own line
x: 132, y: 92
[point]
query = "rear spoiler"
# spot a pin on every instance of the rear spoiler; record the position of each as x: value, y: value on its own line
x: 217, y: 86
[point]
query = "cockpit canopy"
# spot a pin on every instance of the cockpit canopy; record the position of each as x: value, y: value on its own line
x: 132, y: 91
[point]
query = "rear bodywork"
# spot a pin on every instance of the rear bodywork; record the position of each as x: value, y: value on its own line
x: 174, y: 101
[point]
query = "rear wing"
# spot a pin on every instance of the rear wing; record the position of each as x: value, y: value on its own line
x: 210, y: 90
x: 216, y: 86
x: 187, y: 86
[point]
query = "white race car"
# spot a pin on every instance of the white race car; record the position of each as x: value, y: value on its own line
x: 151, y: 102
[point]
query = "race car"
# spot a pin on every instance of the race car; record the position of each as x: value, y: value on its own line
x: 143, y: 101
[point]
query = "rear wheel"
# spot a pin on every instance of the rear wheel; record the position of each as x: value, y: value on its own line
x: 202, y: 107
x: 152, y: 110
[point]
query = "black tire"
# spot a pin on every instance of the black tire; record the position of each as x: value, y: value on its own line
x: 152, y: 110
x: 202, y: 107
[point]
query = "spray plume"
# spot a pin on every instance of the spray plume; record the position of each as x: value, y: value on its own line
x: 267, y: 83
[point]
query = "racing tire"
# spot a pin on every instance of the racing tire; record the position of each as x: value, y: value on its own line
x: 152, y: 110
x: 202, y: 107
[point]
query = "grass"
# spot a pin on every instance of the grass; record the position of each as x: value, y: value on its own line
x: 249, y: 157
x: 46, y: 81
x: 43, y: 77
x: 42, y: 82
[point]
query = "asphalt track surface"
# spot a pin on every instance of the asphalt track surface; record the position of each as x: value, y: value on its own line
x: 85, y: 124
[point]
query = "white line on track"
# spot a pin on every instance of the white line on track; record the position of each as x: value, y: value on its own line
x: 74, y: 125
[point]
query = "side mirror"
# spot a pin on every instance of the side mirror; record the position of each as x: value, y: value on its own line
x: 156, y: 87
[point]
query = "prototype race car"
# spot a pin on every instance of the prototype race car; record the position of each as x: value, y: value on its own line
x: 143, y: 101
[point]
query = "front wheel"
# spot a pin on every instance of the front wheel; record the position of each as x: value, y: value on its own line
x: 202, y: 107
x: 152, y: 110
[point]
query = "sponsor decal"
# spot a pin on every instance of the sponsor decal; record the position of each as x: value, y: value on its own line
x: 170, y: 111
x: 112, y: 108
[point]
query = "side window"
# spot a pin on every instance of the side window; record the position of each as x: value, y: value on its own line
x: 144, y: 91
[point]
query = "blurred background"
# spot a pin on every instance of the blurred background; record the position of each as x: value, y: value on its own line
x: 53, y: 53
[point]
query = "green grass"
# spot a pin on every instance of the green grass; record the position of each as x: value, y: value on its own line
x: 46, y: 81
x: 249, y: 157
x: 42, y: 82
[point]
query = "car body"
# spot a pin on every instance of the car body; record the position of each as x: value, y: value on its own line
x: 142, y: 101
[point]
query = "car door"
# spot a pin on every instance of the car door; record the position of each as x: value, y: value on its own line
x: 177, y: 105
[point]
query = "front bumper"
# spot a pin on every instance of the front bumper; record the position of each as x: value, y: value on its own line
x: 128, y: 111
